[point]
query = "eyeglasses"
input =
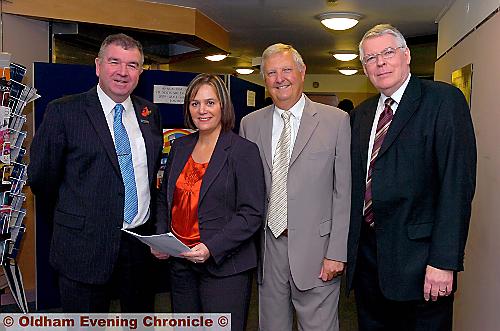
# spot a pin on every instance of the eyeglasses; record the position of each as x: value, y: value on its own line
x: 387, y: 53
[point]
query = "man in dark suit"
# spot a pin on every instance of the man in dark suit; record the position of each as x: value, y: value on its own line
x: 413, y: 170
x: 94, y: 160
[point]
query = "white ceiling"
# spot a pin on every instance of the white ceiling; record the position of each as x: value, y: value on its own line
x: 255, y: 24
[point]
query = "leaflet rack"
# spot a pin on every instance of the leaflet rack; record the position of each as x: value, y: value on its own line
x: 14, y: 96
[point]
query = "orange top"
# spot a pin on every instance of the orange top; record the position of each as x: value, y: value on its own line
x: 185, y: 205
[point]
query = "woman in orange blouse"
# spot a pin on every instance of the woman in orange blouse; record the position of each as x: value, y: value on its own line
x: 212, y: 199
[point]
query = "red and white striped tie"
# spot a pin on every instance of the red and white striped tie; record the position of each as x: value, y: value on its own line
x: 383, y: 124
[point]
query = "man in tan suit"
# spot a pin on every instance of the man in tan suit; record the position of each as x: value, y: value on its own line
x: 305, y: 149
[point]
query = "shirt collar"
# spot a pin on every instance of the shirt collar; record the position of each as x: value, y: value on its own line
x: 398, y: 95
x: 108, y: 104
x: 296, y: 110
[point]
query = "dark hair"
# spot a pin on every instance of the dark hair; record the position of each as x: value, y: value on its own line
x: 346, y: 105
x: 226, y: 106
x: 124, y: 42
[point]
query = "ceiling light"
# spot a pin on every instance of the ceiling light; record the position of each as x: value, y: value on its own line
x: 339, y: 20
x: 244, y: 71
x: 348, y: 71
x: 344, y: 55
x: 216, y: 57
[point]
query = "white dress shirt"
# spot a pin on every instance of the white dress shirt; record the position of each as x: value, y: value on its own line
x: 138, y: 149
x: 278, y: 123
x: 396, y: 96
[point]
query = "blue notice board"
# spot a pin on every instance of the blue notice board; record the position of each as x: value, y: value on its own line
x: 54, y: 81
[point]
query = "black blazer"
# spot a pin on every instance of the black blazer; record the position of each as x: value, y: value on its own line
x: 423, y: 183
x: 231, y: 202
x: 74, y: 168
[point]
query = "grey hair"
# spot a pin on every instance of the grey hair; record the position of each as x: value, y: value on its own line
x: 380, y: 30
x: 281, y: 48
x: 124, y: 42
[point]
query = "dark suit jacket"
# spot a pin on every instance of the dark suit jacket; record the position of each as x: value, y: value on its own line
x: 74, y: 167
x: 423, y: 183
x: 231, y: 202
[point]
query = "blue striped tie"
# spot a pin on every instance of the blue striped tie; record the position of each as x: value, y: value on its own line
x: 124, y: 153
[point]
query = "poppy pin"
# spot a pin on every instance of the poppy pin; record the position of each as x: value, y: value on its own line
x: 145, y: 112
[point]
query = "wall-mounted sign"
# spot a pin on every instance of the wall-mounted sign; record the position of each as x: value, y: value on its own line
x: 250, y: 98
x: 462, y: 78
x: 169, y: 94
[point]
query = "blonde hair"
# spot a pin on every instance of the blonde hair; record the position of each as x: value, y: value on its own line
x: 281, y: 48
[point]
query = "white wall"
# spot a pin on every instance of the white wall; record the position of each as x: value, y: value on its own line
x: 478, y: 297
x: 26, y: 39
x: 460, y: 19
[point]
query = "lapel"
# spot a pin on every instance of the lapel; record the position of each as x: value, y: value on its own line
x: 365, y: 127
x: 266, y: 132
x: 217, y: 162
x: 183, y: 149
x: 96, y: 115
x: 308, y: 123
x: 145, y: 128
x: 409, y: 104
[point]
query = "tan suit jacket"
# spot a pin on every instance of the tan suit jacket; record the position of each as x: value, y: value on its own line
x: 319, y: 187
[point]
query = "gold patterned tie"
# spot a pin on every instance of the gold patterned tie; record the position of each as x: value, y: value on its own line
x: 278, y: 213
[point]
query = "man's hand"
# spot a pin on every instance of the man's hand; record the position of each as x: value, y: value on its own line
x: 438, y: 283
x: 331, y: 269
x: 159, y: 255
x: 197, y: 254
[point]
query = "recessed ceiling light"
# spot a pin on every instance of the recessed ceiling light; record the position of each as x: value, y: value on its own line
x: 339, y: 20
x: 216, y: 57
x: 348, y: 71
x: 344, y: 55
x: 244, y: 71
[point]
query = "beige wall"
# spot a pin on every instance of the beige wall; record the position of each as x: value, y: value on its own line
x: 476, y: 305
x: 28, y: 41
x: 357, y: 87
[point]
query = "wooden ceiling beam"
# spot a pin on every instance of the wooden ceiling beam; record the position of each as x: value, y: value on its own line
x: 133, y: 14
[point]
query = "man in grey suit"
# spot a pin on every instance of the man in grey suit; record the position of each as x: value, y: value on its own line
x: 305, y: 149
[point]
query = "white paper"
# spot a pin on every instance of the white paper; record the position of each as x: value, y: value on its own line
x: 165, y: 243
